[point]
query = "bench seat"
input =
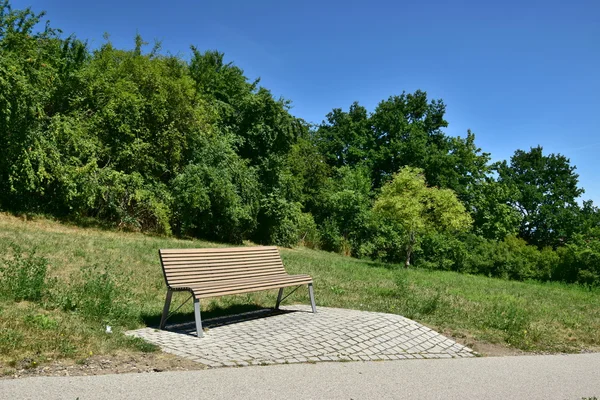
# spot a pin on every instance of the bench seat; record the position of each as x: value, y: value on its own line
x: 239, y: 286
x: 225, y: 271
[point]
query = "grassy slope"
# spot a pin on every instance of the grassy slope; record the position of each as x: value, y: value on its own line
x: 529, y: 316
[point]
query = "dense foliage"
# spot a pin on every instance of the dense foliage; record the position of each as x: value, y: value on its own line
x: 146, y: 141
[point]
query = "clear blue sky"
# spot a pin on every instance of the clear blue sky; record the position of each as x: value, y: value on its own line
x: 517, y: 73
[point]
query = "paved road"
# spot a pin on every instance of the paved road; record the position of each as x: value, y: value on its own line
x: 526, y: 377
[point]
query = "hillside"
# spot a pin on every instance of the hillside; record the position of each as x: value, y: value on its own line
x: 100, y: 277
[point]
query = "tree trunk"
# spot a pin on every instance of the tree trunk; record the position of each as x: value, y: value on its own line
x: 409, y: 249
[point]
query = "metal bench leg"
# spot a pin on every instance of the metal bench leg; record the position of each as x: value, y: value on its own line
x: 311, y: 293
x: 198, y: 318
x: 279, y: 298
x: 165, y: 313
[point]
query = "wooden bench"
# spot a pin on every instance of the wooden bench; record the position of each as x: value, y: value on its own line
x: 220, y: 272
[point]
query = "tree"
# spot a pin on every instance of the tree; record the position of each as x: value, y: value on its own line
x: 417, y: 209
x: 216, y: 197
x: 545, y: 195
x: 262, y: 124
x: 29, y: 63
x: 589, y: 219
x: 403, y: 130
x: 493, y: 216
x: 407, y: 131
x: 343, y: 208
x: 346, y: 138
x: 308, y: 170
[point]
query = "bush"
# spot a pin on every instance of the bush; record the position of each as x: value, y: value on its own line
x: 218, y: 197
x: 332, y: 239
x: 511, y: 258
x: 130, y: 203
x: 24, y: 277
x: 381, y: 241
x: 579, y: 261
x: 308, y: 234
x: 343, y: 211
x: 441, y: 251
x: 279, y: 221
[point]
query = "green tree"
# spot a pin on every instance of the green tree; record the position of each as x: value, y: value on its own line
x: 262, y: 124
x: 346, y: 138
x: 403, y: 130
x: 343, y: 209
x: 144, y: 110
x: 29, y: 64
x: 417, y: 209
x: 589, y: 220
x: 308, y: 170
x: 217, y: 195
x: 408, y: 131
x: 493, y: 215
x: 545, y: 193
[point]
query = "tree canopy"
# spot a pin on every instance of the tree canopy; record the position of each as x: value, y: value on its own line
x: 417, y: 209
x: 141, y: 139
x: 544, y: 193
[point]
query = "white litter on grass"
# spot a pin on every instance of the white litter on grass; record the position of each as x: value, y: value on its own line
x: 108, y: 329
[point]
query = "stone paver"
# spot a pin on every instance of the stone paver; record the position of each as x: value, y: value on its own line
x: 294, y: 334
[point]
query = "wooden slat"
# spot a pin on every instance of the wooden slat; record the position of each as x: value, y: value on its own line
x: 234, y: 258
x: 223, y: 250
x: 200, y: 265
x: 237, y: 281
x: 224, y: 262
x: 247, y: 281
x: 220, y: 278
x: 242, y: 283
x: 224, y: 277
x: 220, y: 269
x: 200, y: 289
x: 249, y: 289
x: 220, y: 254
x: 223, y: 271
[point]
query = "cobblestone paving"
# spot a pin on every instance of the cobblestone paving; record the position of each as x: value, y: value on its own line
x: 295, y: 335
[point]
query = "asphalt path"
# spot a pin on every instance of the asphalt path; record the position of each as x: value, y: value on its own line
x: 573, y: 376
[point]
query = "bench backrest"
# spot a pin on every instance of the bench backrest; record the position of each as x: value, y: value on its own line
x: 183, y: 267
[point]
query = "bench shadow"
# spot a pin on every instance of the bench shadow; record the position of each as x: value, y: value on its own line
x: 184, y: 323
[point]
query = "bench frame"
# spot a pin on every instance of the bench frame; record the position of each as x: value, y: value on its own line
x: 197, y: 313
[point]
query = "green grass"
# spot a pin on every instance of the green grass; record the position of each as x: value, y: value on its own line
x: 101, y: 277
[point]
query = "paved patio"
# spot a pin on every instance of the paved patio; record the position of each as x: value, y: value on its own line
x: 294, y: 335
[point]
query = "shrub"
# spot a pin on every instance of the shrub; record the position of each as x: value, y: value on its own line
x: 23, y: 277
x: 217, y: 198
x: 332, y: 239
x: 441, y: 251
x: 130, y: 203
x: 308, y: 234
x: 279, y: 221
x: 381, y: 240
x: 511, y: 258
x: 579, y: 261
x: 343, y: 210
